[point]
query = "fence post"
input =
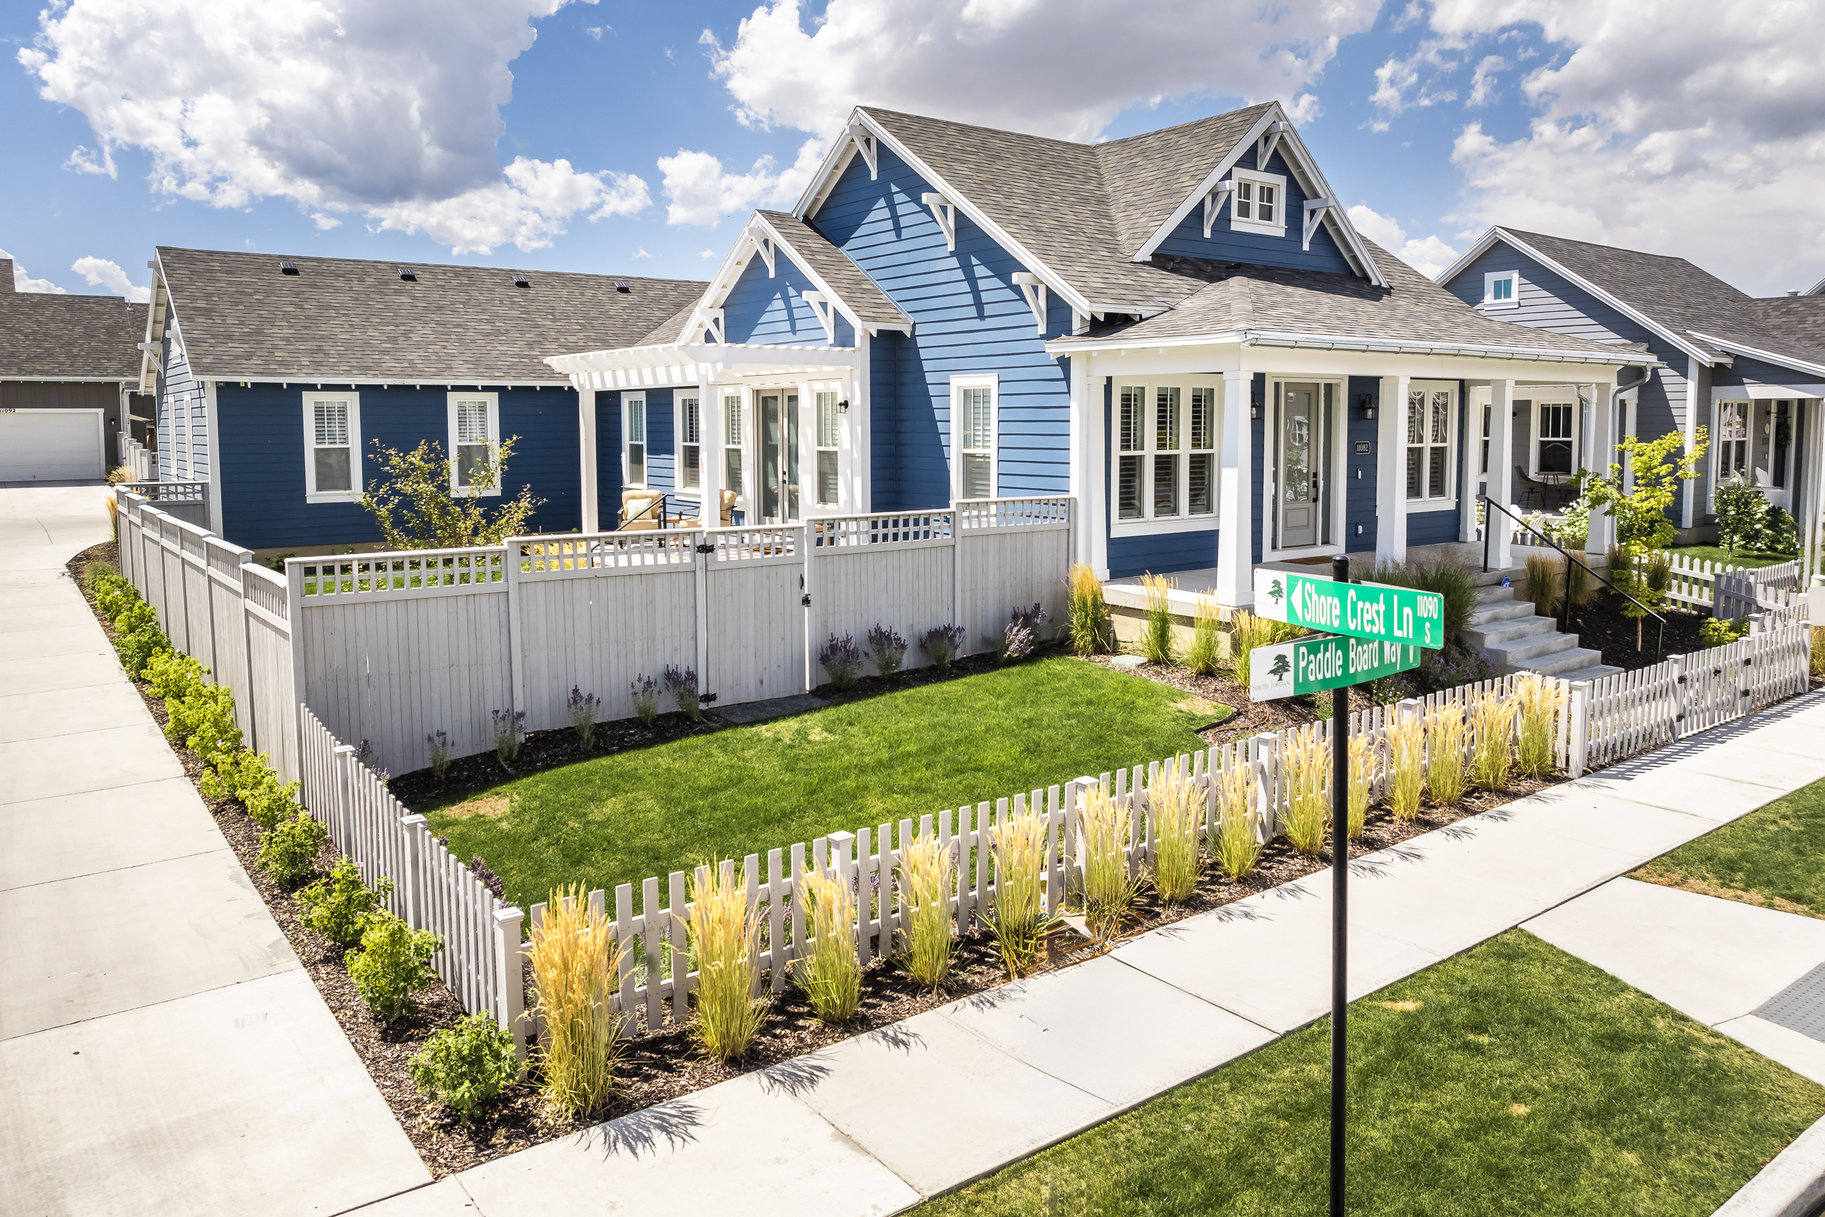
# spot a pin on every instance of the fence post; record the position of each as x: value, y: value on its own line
x: 957, y: 598
x: 418, y: 834
x: 1682, y: 699
x: 1580, y: 725
x: 842, y: 844
x: 339, y: 834
x: 516, y: 659
x: 1267, y: 751
x: 510, y: 980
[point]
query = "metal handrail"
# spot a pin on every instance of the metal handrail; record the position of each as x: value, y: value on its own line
x: 1488, y: 530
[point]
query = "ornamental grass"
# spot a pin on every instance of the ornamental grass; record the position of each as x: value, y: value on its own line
x: 1088, y: 614
x: 1105, y: 839
x: 1173, y: 796
x: 1492, y: 731
x: 724, y: 936
x: 1406, y: 765
x: 575, y: 963
x: 1018, y: 918
x: 1235, y: 841
x: 1540, y: 701
x: 1247, y: 632
x: 1205, y: 656
x: 1157, y: 643
x: 1818, y: 653
x: 925, y: 887
x: 1305, y: 765
x: 1360, y: 766
x: 1447, y: 735
x: 829, y: 972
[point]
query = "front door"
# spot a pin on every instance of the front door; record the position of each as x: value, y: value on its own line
x: 778, y: 457
x: 1301, y: 466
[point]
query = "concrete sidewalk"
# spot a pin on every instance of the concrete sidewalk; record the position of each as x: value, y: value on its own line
x: 161, y: 1048
x: 875, y: 1124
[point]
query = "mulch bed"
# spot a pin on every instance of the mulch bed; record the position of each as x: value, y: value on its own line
x: 1602, y: 627
x: 667, y: 1064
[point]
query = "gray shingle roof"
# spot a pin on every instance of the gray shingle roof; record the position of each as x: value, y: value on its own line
x: 669, y: 331
x: 343, y: 319
x: 50, y: 337
x: 1148, y: 176
x: 835, y: 267
x: 1791, y: 326
x: 1232, y: 298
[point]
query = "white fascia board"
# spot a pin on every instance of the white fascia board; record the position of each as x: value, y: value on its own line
x: 1325, y: 342
x: 1817, y: 289
x: 393, y: 382
x: 155, y: 325
x: 1209, y: 183
x: 834, y: 162
x: 1785, y: 361
x: 1021, y: 253
x: 1472, y: 254
x: 782, y: 242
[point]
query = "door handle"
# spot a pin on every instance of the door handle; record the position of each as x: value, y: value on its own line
x: 1314, y: 486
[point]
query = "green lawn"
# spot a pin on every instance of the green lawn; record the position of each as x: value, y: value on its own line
x: 651, y: 811
x: 1513, y: 1079
x: 1771, y: 857
x: 1742, y: 557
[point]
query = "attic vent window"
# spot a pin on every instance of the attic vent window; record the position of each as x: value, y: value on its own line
x: 408, y: 274
x: 521, y: 281
x: 1259, y: 203
x: 288, y: 268
x: 621, y: 285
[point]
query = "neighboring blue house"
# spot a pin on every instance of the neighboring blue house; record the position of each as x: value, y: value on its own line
x: 1749, y: 371
x: 1181, y: 330
x: 275, y: 378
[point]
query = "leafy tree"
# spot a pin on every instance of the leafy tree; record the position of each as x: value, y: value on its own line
x: 417, y: 507
x: 1742, y: 514
x: 1659, y: 467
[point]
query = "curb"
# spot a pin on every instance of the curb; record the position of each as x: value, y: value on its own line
x: 1792, y: 1185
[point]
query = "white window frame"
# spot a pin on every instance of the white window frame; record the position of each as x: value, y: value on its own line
x: 992, y: 383
x: 494, y: 441
x: 1254, y: 179
x: 1150, y: 522
x: 1450, y: 443
x: 683, y: 399
x: 1493, y: 277
x: 311, y: 493
x: 1538, y: 436
x: 734, y: 440
x: 835, y: 448
x: 628, y: 402
x: 1746, y: 439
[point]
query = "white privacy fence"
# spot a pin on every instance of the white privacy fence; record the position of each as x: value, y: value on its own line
x: 186, y: 501
x: 396, y: 646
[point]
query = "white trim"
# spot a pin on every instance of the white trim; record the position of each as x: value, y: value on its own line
x: 840, y: 449
x: 992, y: 382
x: 1448, y: 500
x: 1785, y: 361
x: 1033, y: 288
x: 679, y: 398
x: 1148, y: 523
x: 739, y: 445
x: 591, y: 490
x: 1325, y: 342
x: 819, y: 304
x: 945, y: 212
x: 1489, y: 302
x: 352, y: 400
x: 494, y: 440
x: 1555, y: 395
x: 1255, y: 179
x: 211, y: 440
x: 628, y: 401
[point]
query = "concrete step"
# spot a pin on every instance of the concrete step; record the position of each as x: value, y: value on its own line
x: 1510, y: 631
x: 1492, y: 611
x: 1531, y: 651
x: 1570, y: 660
x: 1486, y: 592
x: 1591, y: 673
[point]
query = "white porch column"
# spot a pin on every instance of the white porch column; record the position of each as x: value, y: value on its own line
x: 1094, y: 505
x: 1476, y: 400
x: 1501, y: 473
x: 709, y: 453
x: 1698, y: 409
x: 1391, y: 471
x: 1600, y: 454
x: 1600, y: 462
x: 586, y: 441
x: 1235, y: 506
x: 1083, y: 421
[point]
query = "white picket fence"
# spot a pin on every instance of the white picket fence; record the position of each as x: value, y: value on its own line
x: 1731, y: 591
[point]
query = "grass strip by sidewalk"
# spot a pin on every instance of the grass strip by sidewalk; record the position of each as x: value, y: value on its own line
x: 650, y: 811
x: 1513, y: 1079
x: 1773, y: 857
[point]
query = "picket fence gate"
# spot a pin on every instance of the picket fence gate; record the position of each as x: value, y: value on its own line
x: 1730, y: 591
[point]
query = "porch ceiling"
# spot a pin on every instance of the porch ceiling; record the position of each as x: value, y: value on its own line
x: 689, y: 363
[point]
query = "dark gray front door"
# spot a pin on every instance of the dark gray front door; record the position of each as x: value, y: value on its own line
x: 1300, y: 476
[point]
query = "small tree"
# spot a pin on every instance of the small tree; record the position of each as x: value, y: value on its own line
x: 1658, y: 466
x: 1742, y: 514
x: 417, y: 505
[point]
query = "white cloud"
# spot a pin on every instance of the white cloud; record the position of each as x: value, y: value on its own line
x: 698, y: 190
x: 100, y: 272
x: 23, y: 282
x: 1483, y: 83
x: 387, y: 108
x: 1400, y: 83
x: 1692, y: 127
x: 641, y: 253
x: 706, y: 253
x: 1427, y: 255
x: 1054, y: 67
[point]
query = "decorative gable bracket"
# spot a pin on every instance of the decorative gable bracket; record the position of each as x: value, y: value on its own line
x: 821, y: 308
x: 945, y: 212
x: 865, y: 144
x: 1269, y: 141
x: 763, y: 245
x: 707, y: 320
x: 1314, y: 216
x: 1035, y: 292
x: 1213, y: 203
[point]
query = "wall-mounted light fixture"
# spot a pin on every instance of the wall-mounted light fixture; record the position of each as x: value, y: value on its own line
x: 842, y: 406
x: 1366, y: 404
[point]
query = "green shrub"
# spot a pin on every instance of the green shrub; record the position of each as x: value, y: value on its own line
x: 289, y: 852
x: 175, y: 675
x: 204, y: 721
x: 1781, y: 533
x: 339, y: 905
x: 1742, y: 514
x: 392, y: 963
x: 1088, y: 621
x: 466, y: 1067
x: 138, y: 637
x: 1721, y: 631
x: 268, y: 801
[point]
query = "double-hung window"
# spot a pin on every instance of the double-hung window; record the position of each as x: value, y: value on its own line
x: 1166, y: 437
x: 1431, y: 420
x: 829, y: 430
x: 633, y: 437
x: 973, y: 435
x: 1259, y: 202
x: 1554, y: 438
x: 731, y: 442
x: 690, y: 443
x: 1732, y: 440
x: 332, y: 447
x: 474, y: 438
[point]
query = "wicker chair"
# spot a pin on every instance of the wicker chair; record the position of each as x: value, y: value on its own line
x: 642, y: 510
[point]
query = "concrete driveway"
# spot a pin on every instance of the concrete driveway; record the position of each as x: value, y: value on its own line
x: 161, y: 1048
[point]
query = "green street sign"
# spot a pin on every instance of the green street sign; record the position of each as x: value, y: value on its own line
x: 1374, y: 611
x: 1311, y: 665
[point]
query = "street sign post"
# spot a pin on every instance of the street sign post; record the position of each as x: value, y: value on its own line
x: 1383, y: 628
x: 1379, y: 612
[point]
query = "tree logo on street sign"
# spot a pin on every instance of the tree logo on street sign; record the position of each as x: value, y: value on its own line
x: 1275, y: 591
x: 1281, y: 666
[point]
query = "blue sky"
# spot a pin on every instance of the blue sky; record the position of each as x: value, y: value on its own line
x: 442, y: 130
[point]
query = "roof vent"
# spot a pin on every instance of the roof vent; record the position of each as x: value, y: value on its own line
x: 288, y: 268
x: 408, y: 274
x: 521, y: 281
x: 621, y: 285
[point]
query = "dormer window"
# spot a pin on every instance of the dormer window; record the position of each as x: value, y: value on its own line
x: 1259, y: 203
x: 1501, y: 289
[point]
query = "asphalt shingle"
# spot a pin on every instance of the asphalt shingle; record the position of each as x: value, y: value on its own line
x: 51, y: 337
x: 836, y: 268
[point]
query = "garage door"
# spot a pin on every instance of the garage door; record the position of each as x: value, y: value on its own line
x: 50, y: 446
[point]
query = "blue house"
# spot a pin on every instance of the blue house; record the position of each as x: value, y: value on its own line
x: 1749, y: 371
x: 276, y: 377
x: 1181, y: 330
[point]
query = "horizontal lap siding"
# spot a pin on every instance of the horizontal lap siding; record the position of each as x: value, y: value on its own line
x: 770, y: 308
x: 1288, y: 250
x: 262, y: 443
x: 885, y: 351
x: 182, y: 421
x: 1359, y: 469
x: 969, y: 318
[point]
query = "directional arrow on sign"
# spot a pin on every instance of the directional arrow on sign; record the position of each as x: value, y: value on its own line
x: 1377, y: 612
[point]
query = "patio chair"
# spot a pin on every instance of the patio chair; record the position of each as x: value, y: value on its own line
x: 642, y: 510
x: 728, y: 513
x: 1526, y: 488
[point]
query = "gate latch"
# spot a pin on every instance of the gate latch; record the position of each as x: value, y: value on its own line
x: 706, y: 549
x: 805, y: 600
